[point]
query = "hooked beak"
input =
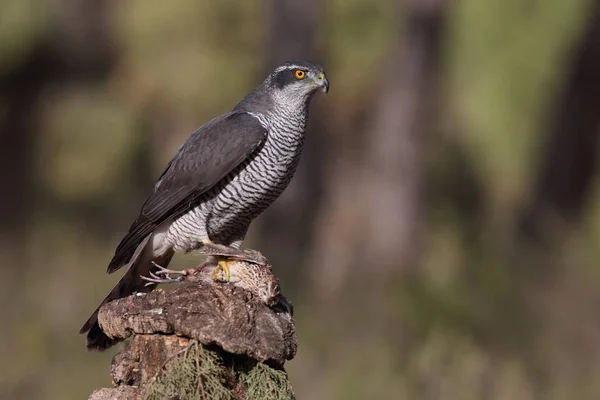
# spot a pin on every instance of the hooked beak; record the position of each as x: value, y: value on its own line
x: 323, y: 82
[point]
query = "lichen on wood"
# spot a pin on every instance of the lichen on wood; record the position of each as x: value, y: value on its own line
x: 199, y: 373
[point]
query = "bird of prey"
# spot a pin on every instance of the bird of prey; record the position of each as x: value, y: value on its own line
x: 226, y: 173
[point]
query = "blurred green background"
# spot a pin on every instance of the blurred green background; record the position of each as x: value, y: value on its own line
x: 440, y: 239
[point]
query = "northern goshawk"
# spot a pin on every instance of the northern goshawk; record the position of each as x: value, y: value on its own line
x: 228, y: 172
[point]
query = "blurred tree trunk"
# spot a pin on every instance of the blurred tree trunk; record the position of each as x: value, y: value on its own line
x: 77, y: 50
x: 542, y: 272
x: 80, y: 49
x: 570, y: 159
x: 375, y: 204
x: 17, y: 130
x: 292, y: 26
x: 395, y: 150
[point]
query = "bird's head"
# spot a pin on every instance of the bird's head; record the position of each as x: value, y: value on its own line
x: 291, y: 84
x: 294, y: 82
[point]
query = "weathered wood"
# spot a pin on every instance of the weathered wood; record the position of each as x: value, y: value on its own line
x: 221, y: 315
x: 144, y: 357
x: 231, y: 323
x: 118, y: 393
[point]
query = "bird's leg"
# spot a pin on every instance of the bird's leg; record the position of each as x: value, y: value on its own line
x: 163, y: 275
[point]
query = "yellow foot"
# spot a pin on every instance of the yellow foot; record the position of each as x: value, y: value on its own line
x: 221, y: 272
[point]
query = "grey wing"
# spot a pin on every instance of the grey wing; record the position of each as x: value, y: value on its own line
x: 208, y: 156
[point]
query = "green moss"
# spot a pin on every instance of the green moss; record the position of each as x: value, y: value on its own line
x: 202, y: 374
x: 263, y: 382
x: 198, y: 374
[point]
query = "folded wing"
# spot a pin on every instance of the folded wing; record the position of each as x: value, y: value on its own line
x: 208, y: 156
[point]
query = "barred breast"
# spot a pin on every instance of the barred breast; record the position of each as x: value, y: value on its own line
x: 226, y: 211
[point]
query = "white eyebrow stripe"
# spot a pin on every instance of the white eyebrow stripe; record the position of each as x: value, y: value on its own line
x: 290, y: 66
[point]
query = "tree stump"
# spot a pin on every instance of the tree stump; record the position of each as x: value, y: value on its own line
x: 204, y: 341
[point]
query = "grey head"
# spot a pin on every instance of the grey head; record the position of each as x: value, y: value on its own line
x: 290, y: 85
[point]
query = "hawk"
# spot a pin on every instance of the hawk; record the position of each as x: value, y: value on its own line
x: 226, y: 173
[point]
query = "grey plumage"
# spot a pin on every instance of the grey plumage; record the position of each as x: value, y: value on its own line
x: 228, y: 172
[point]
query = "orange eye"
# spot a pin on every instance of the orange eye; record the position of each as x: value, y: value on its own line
x: 299, y: 74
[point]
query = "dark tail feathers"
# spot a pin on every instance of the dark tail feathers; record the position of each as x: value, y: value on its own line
x: 140, y: 265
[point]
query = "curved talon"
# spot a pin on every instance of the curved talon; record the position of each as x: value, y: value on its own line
x: 154, y: 279
x: 163, y: 275
x: 164, y: 271
x: 221, y: 273
x: 216, y: 274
